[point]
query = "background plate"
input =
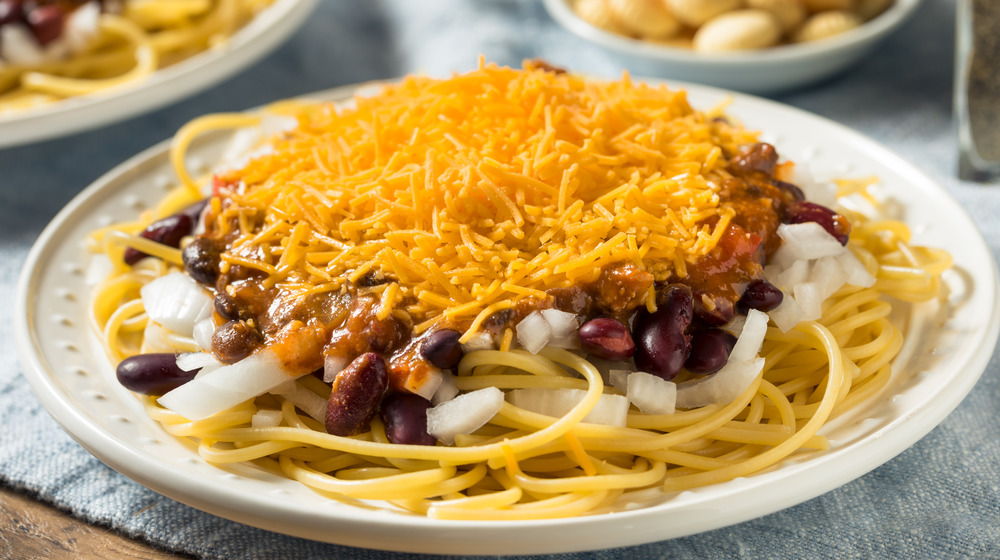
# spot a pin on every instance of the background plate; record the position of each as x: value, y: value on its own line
x: 73, y: 380
x: 258, y: 37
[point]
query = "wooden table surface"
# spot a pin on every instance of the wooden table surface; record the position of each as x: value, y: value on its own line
x: 31, y: 530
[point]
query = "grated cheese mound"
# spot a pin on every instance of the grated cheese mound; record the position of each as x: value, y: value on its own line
x: 476, y: 192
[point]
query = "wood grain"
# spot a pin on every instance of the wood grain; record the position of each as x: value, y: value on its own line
x: 31, y: 530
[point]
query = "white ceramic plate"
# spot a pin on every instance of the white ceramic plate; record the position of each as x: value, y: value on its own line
x: 260, y: 36
x: 76, y: 384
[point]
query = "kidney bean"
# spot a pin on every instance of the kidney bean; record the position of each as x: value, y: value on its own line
x: 195, y: 210
x: 201, y: 259
x: 226, y: 306
x: 662, y: 344
x: 835, y: 224
x: 760, y: 295
x: 355, y: 395
x: 234, y: 341
x: 607, y: 338
x: 710, y: 350
x: 152, y: 374
x: 791, y: 189
x: 760, y: 157
x: 169, y: 231
x: 405, y: 419
x: 10, y: 11
x: 442, y: 348
x: 46, y: 23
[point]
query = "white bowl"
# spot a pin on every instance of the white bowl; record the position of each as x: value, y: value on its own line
x: 760, y: 71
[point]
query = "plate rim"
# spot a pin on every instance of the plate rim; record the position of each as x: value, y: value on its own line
x: 266, y: 32
x: 466, y: 537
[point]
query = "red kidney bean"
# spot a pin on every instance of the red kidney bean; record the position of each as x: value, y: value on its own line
x: 235, y: 340
x: 152, y: 374
x: 760, y: 295
x: 710, y: 350
x: 835, y: 224
x: 355, y: 395
x: 405, y: 419
x: 227, y: 307
x: 760, y: 157
x: 201, y: 259
x: 442, y: 349
x: 46, y: 23
x: 10, y: 11
x: 195, y: 210
x: 169, y: 231
x: 791, y: 189
x: 662, y: 343
x: 607, y: 338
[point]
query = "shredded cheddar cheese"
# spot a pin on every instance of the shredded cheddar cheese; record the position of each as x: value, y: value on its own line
x: 475, y: 192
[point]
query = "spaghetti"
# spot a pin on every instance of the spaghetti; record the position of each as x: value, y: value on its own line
x: 445, y: 237
x: 56, y: 50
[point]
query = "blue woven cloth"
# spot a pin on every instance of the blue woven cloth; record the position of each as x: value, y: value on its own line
x: 939, y: 499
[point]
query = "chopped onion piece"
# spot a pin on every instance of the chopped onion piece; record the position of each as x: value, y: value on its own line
x: 618, y: 378
x: 479, y: 341
x: 652, y: 394
x: 447, y: 390
x: 788, y: 314
x: 227, y: 386
x: 81, y: 26
x: 791, y: 276
x: 751, y: 338
x: 332, y: 365
x: 155, y: 339
x: 266, y: 419
x: 464, y: 414
x: 571, y: 342
x: 428, y: 385
x: 203, y: 331
x: 563, y: 324
x: 722, y: 386
x: 809, y: 298
x: 191, y: 361
x: 534, y: 332
x: 177, y: 302
x: 735, y: 326
x: 19, y: 47
x: 855, y: 271
x: 808, y: 240
x: 827, y: 274
x: 309, y: 402
x: 610, y: 410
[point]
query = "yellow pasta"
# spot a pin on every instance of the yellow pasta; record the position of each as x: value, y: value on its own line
x: 521, y: 464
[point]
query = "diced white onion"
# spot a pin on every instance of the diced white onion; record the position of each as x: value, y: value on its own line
x: 447, y: 390
x: 751, y: 338
x: 533, y: 332
x: 177, y: 302
x: 610, y: 410
x: 828, y: 276
x: 190, y: 361
x: 227, y: 386
x: 808, y: 240
x: 652, y: 394
x: 854, y: 270
x: 563, y: 324
x: 790, y: 276
x: 155, y: 339
x: 19, y: 47
x: 618, y: 378
x: 81, y: 26
x: 463, y: 414
x: 480, y: 341
x: 823, y: 193
x: 309, y: 402
x: 571, y: 342
x: 332, y: 365
x: 809, y: 298
x: 720, y: 387
x: 788, y: 314
x: 203, y: 331
x: 266, y: 419
x: 428, y: 385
